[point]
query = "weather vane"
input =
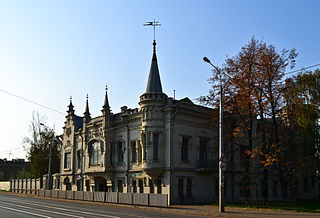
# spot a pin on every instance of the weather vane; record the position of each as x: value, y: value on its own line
x: 153, y: 23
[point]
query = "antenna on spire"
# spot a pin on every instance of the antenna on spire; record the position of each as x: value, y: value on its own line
x: 153, y: 23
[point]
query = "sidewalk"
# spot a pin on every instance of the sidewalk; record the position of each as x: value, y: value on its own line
x: 236, y: 212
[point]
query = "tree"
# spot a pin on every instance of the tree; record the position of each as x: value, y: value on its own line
x: 302, y: 96
x: 24, y: 174
x: 38, y: 146
x: 252, y: 82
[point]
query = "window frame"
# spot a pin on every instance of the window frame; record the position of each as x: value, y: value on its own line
x: 67, y: 160
x: 185, y: 148
x: 95, y: 153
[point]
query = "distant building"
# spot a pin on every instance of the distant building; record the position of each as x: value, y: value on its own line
x: 166, y: 146
x: 10, y: 169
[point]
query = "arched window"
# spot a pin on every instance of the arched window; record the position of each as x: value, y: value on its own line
x: 95, y: 153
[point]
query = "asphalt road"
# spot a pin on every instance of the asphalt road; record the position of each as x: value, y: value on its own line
x: 20, y: 206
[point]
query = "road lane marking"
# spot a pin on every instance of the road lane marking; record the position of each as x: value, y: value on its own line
x: 47, y: 211
x: 70, y: 210
x: 26, y: 212
x: 59, y: 206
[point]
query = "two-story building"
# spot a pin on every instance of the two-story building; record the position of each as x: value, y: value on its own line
x: 165, y: 146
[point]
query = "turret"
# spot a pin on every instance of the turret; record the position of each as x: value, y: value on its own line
x: 106, y: 110
x: 87, y: 117
x: 154, y: 87
x: 151, y: 103
x: 70, y: 111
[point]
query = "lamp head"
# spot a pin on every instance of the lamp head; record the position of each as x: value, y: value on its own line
x: 206, y: 60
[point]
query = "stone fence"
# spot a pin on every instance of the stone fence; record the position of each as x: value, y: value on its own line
x: 32, y: 186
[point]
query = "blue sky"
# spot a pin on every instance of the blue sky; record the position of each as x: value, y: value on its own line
x: 50, y: 50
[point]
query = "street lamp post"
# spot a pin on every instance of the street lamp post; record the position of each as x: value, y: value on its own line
x: 222, y: 163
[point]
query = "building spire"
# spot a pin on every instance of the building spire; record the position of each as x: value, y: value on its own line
x: 70, y: 110
x: 86, y: 112
x: 154, y: 82
x: 106, y: 106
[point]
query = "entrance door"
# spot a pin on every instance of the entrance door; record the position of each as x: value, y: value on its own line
x: 100, y: 184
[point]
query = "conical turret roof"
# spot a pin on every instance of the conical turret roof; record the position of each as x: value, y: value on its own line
x: 154, y: 82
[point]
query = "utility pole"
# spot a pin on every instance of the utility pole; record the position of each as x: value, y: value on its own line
x: 222, y: 161
x: 49, y: 167
x: 50, y: 156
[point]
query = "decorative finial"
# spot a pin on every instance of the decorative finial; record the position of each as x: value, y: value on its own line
x: 86, y: 112
x: 71, y: 106
x: 153, y: 23
x: 154, y: 46
x: 106, y: 106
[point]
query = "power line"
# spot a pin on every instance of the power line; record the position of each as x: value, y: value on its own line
x: 301, y: 69
x: 30, y: 101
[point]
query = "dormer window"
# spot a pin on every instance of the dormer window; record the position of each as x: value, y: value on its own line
x: 95, y: 151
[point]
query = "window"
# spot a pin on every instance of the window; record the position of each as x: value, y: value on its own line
x: 78, y: 160
x: 133, y: 152
x: 180, y: 188
x: 184, y: 149
x: 155, y: 146
x: 67, y: 160
x: 189, y: 188
x: 139, y: 152
x: 203, y: 150
x: 95, y: 153
x: 111, y: 153
x: 120, y: 188
x: 143, y: 138
x: 120, y: 153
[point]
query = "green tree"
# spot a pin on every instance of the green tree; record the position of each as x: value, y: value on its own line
x: 38, y: 147
x: 302, y: 95
x: 24, y: 174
